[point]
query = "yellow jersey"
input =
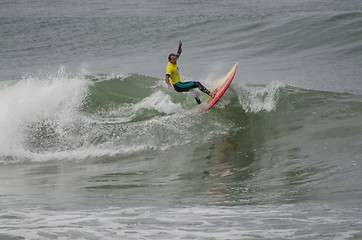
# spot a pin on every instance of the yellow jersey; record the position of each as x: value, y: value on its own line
x: 172, y: 70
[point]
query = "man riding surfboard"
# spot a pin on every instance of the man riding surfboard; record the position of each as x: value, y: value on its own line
x: 172, y: 77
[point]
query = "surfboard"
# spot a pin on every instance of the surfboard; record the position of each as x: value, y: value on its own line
x: 221, y: 89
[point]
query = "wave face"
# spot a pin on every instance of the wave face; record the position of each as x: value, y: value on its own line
x: 74, y: 117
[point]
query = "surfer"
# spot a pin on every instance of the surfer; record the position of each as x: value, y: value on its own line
x: 173, y: 77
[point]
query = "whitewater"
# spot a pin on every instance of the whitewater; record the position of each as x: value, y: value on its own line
x: 93, y: 145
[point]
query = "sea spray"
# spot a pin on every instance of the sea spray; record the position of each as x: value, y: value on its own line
x: 258, y: 98
x: 46, y: 103
x: 160, y: 102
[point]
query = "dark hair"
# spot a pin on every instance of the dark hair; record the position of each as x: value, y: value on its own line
x: 171, y: 55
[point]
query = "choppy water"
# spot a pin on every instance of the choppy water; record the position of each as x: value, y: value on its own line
x: 94, y: 146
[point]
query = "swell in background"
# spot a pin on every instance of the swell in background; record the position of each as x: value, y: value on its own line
x: 300, y: 43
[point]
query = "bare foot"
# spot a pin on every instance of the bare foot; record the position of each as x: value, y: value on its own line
x: 212, y: 94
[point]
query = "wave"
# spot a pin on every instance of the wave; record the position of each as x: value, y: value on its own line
x: 308, y: 34
x: 65, y: 116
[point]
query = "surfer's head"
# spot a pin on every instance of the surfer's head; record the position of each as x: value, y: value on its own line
x: 172, y: 58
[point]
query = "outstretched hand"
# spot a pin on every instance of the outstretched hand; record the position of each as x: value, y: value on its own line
x: 179, y: 50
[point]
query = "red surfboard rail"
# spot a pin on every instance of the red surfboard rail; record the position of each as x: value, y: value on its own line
x: 221, y: 89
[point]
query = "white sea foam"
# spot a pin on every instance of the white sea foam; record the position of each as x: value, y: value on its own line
x: 258, y: 98
x: 40, y: 120
x: 261, y: 222
x: 37, y: 99
x: 160, y: 102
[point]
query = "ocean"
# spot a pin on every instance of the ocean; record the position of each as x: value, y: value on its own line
x: 94, y: 146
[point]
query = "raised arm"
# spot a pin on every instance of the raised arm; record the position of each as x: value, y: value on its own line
x: 179, y: 50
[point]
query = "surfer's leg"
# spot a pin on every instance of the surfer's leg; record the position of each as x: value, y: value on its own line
x: 197, y: 100
x: 185, y: 87
x: 202, y: 88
